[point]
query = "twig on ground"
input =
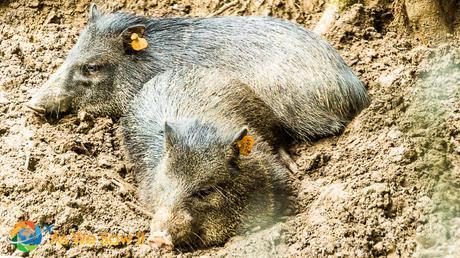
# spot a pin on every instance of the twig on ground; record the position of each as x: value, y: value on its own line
x: 120, y: 182
x: 224, y: 8
x: 140, y: 209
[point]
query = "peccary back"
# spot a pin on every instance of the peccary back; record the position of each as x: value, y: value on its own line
x: 292, y: 69
x: 182, y: 131
x: 299, y: 75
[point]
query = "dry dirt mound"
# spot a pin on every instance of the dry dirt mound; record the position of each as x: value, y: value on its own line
x: 387, y: 186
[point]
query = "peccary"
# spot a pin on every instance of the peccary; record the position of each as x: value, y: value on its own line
x: 293, y: 69
x: 182, y: 131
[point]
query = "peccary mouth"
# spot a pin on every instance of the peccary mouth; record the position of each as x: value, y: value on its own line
x: 50, y: 102
x: 58, y: 108
x: 35, y: 109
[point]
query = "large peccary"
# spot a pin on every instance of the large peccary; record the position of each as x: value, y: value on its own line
x: 294, y: 70
x: 182, y: 131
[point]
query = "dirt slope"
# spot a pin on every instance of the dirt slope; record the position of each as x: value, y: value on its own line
x: 387, y: 186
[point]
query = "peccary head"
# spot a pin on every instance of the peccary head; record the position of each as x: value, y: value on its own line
x: 204, y: 190
x: 102, y: 71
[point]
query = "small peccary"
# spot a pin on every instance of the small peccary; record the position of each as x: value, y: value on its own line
x: 183, y: 131
x: 294, y: 70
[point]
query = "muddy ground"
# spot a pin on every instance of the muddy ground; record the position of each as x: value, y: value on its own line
x: 386, y: 187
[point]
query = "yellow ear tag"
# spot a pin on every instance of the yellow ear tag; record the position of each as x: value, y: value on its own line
x: 245, y: 145
x: 138, y: 43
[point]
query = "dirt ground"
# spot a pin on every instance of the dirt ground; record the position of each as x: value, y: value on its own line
x: 388, y: 186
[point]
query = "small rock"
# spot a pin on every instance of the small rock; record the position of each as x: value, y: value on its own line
x: 34, y: 4
x: 388, y: 79
x: 397, y: 153
x: 376, y: 188
x: 391, y: 34
x: 379, y: 247
x: 78, y: 146
x: 3, y: 99
x: 105, y: 184
x: 51, y: 17
x: 394, y: 134
x: 103, y: 161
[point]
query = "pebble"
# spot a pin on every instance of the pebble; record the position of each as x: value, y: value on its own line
x: 3, y: 99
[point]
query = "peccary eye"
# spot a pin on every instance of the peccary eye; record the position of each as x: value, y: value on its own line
x: 202, y: 193
x: 90, y: 69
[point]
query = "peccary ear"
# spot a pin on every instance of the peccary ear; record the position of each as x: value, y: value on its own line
x: 169, y: 132
x: 94, y: 13
x: 242, y: 142
x: 127, y: 36
x: 243, y: 132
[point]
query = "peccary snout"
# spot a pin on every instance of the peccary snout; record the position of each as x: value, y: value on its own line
x: 51, y: 99
x: 170, y: 228
x: 161, y: 239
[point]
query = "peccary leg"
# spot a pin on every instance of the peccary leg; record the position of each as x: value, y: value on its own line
x: 287, y: 161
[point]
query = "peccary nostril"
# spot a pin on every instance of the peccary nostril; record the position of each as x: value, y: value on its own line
x: 161, y: 240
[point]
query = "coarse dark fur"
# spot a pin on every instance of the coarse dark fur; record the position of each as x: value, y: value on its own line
x: 181, y: 131
x: 211, y: 77
x: 293, y: 70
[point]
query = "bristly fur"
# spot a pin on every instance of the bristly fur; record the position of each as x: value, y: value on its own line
x: 298, y: 74
x: 203, y: 109
x: 206, y: 78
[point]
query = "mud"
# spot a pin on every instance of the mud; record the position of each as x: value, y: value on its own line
x: 387, y: 186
